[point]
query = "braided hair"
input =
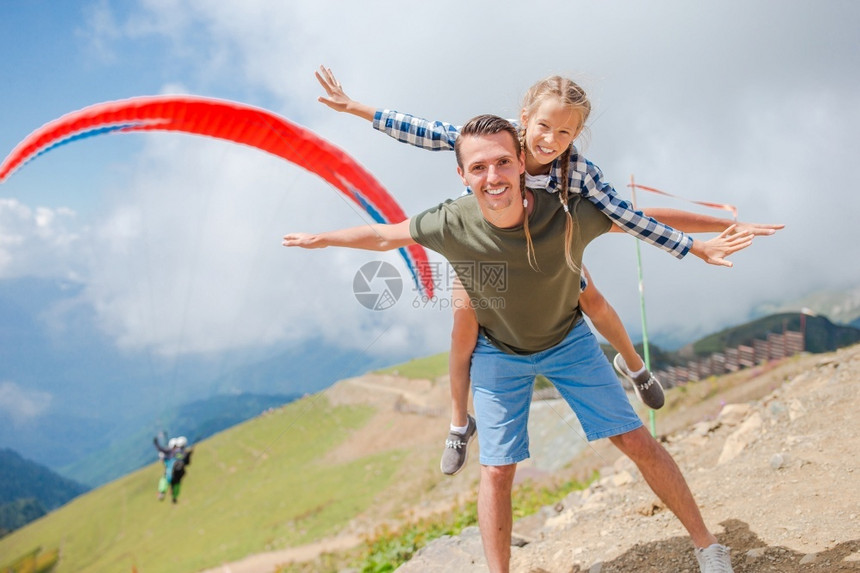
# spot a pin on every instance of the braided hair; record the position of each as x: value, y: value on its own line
x: 572, y: 95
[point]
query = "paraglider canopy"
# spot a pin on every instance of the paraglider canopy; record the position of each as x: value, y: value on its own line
x: 238, y: 123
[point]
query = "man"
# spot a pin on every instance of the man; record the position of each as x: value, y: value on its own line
x: 534, y: 325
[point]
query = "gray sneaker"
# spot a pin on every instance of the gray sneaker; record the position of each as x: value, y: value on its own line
x: 714, y: 559
x: 456, y: 449
x: 646, y: 386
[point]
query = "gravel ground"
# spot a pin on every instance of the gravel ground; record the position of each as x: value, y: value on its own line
x: 777, y: 480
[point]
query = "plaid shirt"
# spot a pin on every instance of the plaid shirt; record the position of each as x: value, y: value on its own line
x: 583, y: 176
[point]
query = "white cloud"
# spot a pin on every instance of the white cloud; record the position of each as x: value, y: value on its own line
x: 38, y: 241
x: 22, y: 405
x: 190, y: 260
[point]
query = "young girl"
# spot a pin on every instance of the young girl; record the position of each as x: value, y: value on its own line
x: 553, y: 115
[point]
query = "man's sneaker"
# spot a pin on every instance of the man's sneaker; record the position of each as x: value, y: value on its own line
x: 714, y: 559
x: 646, y: 386
x: 456, y: 448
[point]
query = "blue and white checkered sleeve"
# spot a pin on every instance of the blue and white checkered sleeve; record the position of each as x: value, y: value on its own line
x: 588, y: 178
x: 432, y: 135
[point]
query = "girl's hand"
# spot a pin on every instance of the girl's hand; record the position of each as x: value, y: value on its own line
x: 714, y: 251
x: 337, y: 99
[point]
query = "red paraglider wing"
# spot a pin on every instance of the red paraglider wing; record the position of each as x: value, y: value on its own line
x: 234, y: 122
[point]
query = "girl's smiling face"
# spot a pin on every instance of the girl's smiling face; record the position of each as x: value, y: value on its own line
x: 550, y: 129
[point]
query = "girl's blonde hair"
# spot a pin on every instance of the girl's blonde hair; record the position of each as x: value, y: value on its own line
x: 572, y: 95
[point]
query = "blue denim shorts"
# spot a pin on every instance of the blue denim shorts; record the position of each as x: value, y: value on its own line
x: 502, y: 387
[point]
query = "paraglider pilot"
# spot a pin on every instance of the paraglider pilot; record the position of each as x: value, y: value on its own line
x: 176, y: 457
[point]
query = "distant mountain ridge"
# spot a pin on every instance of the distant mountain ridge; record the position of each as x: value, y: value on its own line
x: 821, y: 334
x: 29, y: 490
x: 840, y: 306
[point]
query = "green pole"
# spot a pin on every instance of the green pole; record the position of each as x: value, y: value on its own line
x: 647, y: 354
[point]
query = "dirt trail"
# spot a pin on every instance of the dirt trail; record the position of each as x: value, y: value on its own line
x: 268, y: 561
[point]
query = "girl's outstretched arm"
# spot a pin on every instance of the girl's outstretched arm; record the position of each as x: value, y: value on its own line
x: 734, y: 235
x: 430, y: 135
x: 337, y: 99
x: 586, y: 179
x: 690, y: 222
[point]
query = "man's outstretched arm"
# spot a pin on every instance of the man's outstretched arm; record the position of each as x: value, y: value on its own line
x: 366, y: 237
x: 690, y: 222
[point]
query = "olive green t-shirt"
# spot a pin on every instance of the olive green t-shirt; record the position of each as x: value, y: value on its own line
x: 520, y: 310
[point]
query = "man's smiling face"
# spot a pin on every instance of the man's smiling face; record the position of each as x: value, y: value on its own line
x: 492, y: 169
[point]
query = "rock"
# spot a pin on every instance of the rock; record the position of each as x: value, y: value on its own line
x: 756, y: 553
x: 778, y: 461
x: 795, y: 410
x: 461, y: 553
x: 561, y: 520
x: 702, y: 428
x: 622, y: 478
x: 776, y: 409
x: 651, y: 508
x: 518, y: 540
x: 743, y: 436
x: 732, y: 414
x: 696, y: 441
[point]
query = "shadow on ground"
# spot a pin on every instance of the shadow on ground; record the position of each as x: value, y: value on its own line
x: 749, y: 555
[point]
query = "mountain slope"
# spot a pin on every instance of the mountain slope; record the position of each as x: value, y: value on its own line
x: 21, y: 478
x: 330, y: 466
x: 29, y: 490
x: 196, y: 420
x: 256, y: 485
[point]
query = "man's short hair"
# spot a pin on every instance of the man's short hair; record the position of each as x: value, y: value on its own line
x: 486, y: 124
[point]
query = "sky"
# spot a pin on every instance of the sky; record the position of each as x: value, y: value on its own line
x: 175, y: 240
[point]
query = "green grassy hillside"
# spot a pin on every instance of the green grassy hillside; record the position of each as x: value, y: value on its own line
x: 196, y: 420
x: 257, y: 486
x: 428, y: 367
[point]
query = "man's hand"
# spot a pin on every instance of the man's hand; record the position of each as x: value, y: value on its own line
x: 714, y: 251
x: 303, y: 240
x: 758, y: 229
